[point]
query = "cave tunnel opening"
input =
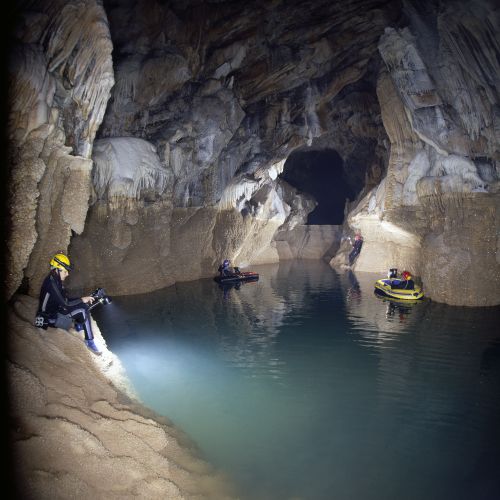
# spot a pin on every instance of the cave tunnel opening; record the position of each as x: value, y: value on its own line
x: 320, y: 174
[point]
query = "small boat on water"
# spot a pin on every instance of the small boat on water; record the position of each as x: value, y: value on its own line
x: 400, y: 289
x: 237, y: 277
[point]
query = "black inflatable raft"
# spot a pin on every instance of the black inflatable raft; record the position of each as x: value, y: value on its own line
x: 236, y: 277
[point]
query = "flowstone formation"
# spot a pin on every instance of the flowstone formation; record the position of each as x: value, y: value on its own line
x: 60, y: 79
x: 437, y: 212
x: 134, y: 226
x: 211, y: 99
x: 78, y: 430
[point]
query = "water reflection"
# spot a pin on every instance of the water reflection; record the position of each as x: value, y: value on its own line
x: 227, y: 287
x: 377, y: 319
x: 353, y: 293
x: 297, y: 382
x: 395, y: 309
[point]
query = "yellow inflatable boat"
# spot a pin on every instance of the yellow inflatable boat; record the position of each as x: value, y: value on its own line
x: 398, y: 289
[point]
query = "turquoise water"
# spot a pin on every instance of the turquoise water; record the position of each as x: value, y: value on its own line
x: 306, y: 385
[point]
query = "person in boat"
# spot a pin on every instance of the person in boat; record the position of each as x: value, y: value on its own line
x: 405, y: 282
x: 225, y: 269
x: 393, y: 273
x: 57, y: 310
x: 356, y: 248
x: 408, y: 280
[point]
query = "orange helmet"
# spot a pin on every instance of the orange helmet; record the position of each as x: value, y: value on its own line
x: 406, y: 275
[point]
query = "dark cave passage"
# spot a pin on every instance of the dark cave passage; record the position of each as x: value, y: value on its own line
x: 320, y: 174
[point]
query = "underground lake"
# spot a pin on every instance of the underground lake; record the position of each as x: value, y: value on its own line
x: 306, y: 385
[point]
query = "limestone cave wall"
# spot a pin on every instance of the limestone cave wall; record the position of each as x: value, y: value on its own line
x: 437, y: 210
x: 155, y: 178
x: 60, y: 78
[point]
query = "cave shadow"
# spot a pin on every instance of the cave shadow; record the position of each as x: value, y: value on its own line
x: 321, y: 174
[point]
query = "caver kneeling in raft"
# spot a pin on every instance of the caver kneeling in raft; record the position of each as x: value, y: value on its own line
x: 405, y: 282
x: 226, y: 270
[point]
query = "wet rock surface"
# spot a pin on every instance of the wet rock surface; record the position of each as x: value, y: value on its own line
x: 78, y: 432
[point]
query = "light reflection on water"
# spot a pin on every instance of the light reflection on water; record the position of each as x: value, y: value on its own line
x: 306, y: 385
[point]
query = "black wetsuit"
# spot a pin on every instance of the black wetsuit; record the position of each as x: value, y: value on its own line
x: 60, y: 310
x: 225, y: 270
x: 355, y: 251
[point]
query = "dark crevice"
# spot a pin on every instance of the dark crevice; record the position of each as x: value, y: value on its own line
x: 321, y: 175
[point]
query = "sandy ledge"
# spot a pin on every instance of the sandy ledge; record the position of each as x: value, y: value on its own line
x: 78, y: 432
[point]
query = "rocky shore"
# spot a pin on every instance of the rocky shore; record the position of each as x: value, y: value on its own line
x: 77, y: 431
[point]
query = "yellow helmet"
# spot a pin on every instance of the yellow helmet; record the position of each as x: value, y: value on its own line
x: 61, y: 261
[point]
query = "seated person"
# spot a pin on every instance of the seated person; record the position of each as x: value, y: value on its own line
x: 224, y: 268
x: 405, y: 283
x: 409, y: 284
x: 408, y: 281
x: 57, y: 310
x: 397, y: 284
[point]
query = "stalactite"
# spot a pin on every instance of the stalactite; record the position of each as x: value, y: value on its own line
x: 79, y: 49
x: 313, y: 127
x: 125, y: 167
x: 473, y: 46
x: 32, y: 91
x: 237, y: 193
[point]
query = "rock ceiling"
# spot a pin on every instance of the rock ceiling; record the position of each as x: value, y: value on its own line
x: 221, y: 93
